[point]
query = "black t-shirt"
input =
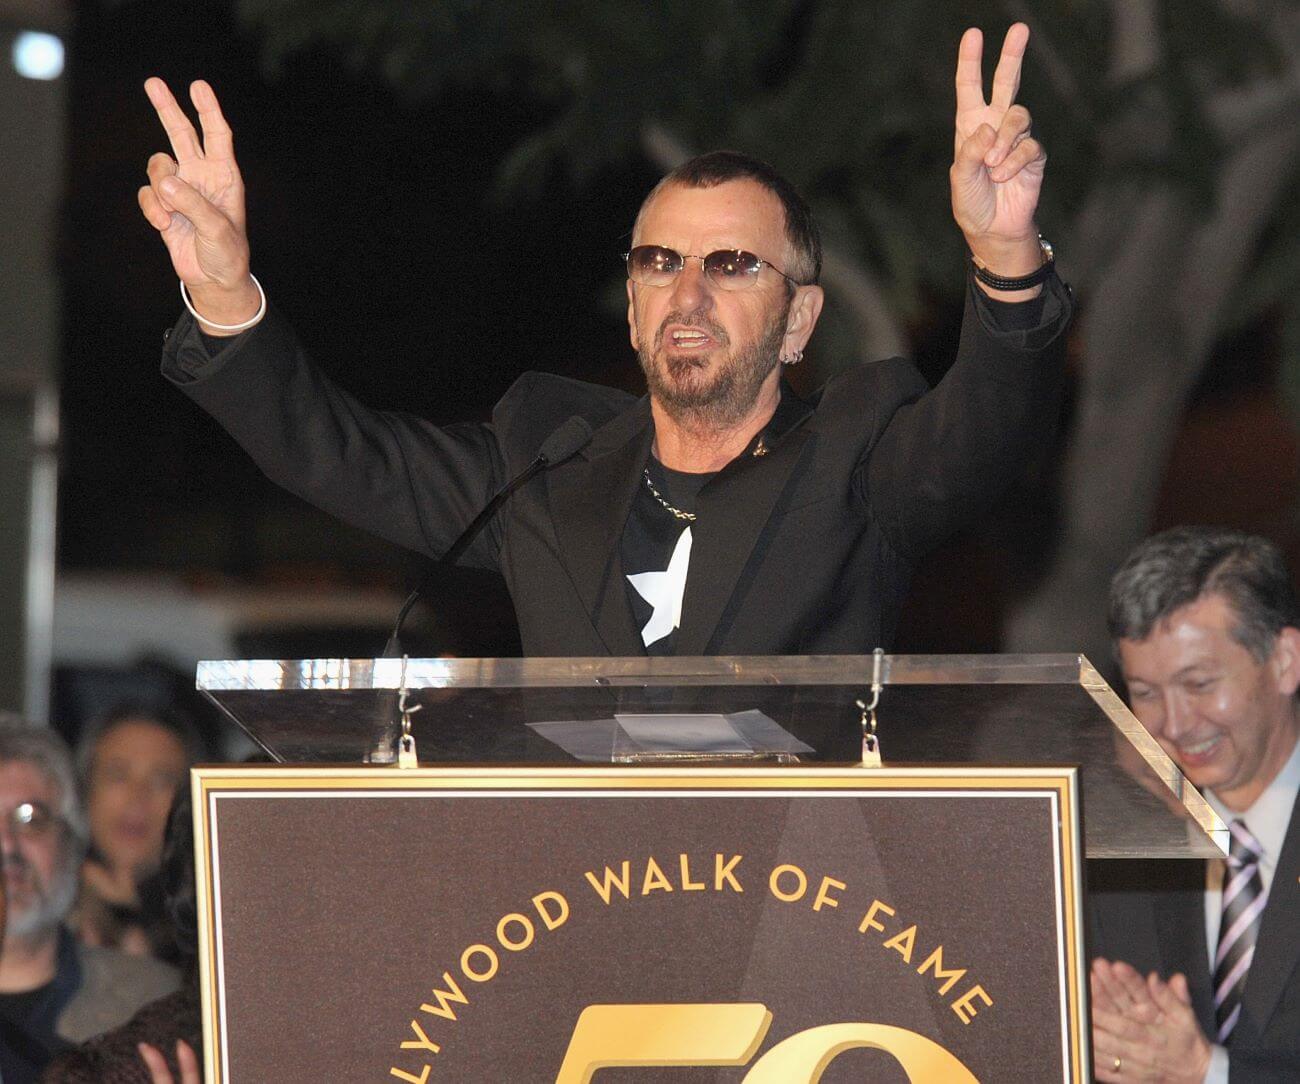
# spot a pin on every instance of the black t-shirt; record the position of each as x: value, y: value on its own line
x: 27, y: 1038
x: 656, y: 552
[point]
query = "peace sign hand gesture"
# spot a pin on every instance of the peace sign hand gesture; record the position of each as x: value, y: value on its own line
x: 196, y: 202
x: 997, y: 169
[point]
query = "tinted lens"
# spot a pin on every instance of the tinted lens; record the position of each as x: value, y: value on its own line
x: 653, y: 265
x: 31, y: 818
x: 732, y: 269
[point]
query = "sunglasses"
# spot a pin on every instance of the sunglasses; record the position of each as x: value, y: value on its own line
x: 31, y: 820
x: 728, y: 268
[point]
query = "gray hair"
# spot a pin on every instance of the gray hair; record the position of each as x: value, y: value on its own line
x: 48, y: 753
x: 1179, y: 566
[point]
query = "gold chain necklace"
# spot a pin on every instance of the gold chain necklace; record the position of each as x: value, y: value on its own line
x: 688, y: 516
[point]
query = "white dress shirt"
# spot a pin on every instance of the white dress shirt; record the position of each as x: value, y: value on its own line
x: 1267, y: 820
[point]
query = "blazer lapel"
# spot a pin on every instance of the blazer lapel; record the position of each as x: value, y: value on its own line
x: 590, y: 497
x: 1277, y: 950
x: 733, y: 509
x: 1180, y: 928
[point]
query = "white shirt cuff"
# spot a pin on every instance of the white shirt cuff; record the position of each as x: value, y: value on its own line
x: 1217, y: 1073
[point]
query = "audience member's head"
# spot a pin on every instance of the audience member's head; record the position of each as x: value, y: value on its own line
x: 42, y: 830
x: 131, y: 761
x: 1204, y: 624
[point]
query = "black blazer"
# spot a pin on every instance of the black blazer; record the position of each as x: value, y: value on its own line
x: 1151, y: 914
x: 805, y: 550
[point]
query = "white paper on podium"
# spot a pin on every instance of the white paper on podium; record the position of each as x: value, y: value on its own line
x: 702, y: 733
x: 708, y: 734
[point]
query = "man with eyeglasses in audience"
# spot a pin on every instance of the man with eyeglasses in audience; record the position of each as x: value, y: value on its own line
x: 53, y: 991
x: 721, y: 514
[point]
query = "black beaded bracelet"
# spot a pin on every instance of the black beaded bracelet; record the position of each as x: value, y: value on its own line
x: 998, y: 282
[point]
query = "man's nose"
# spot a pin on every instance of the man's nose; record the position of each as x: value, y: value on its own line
x: 1175, y: 715
x: 691, y: 288
x: 8, y: 840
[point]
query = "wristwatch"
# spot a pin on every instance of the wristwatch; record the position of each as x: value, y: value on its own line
x: 998, y: 282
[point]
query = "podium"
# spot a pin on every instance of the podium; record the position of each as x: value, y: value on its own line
x: 559, y: 892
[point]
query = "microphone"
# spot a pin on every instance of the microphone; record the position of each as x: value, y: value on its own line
x: 563, y: 443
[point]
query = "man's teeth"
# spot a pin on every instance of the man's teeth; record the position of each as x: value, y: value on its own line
x: 689, y: 338
x: 1200, y: 747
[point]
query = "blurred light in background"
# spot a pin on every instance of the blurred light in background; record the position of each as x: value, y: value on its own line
x: 37, y: 55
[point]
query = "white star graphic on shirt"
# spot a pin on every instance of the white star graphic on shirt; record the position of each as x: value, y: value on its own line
x: 664, y: 591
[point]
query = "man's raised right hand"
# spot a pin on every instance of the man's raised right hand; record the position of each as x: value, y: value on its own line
x: 196, y: 201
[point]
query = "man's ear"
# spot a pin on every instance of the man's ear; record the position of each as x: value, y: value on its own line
x: 1286, y: 660
x: 804, y: 311
x: 631, y: 318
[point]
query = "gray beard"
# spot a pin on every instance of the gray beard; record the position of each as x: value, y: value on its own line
x: 730, y: 394
x: 49, y: 909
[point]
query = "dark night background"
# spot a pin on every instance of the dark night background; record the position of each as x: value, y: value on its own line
x: 372, y: 228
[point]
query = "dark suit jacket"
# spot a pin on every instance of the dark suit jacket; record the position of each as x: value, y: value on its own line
x: 1151, y: 914
x: 806, y: 550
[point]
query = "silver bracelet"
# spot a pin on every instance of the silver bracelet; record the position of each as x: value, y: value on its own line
x: 255, y: 318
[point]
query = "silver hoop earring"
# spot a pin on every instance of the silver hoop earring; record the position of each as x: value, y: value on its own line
x: 793, y: 358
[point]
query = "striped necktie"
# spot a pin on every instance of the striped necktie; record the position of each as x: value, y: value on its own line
x: 1243, y: 904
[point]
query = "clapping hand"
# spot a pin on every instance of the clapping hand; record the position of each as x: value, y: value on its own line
x: 1144, y: 1029
x: 157, y: 1064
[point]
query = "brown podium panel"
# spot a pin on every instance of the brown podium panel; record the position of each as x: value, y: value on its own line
x: 641, y: 924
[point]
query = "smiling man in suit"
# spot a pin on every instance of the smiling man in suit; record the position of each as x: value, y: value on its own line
x: 720, y: 514
x: 1207, y: 630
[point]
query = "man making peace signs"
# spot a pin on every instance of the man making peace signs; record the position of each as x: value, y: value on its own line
x: 719, y: 514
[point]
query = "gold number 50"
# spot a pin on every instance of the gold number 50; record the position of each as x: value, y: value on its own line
x: 703, y: 1034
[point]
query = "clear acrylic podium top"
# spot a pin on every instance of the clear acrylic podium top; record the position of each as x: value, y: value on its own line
x: 933, y: 710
